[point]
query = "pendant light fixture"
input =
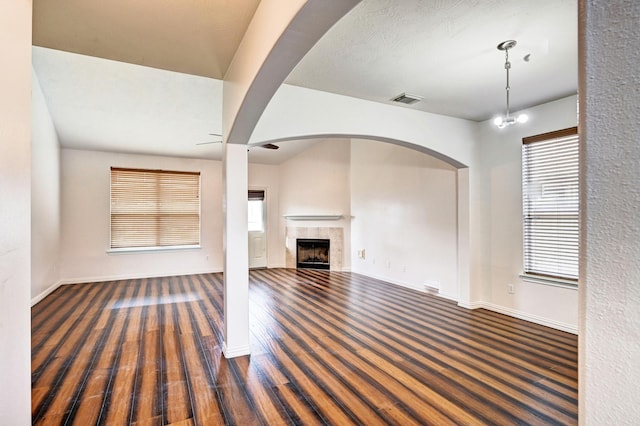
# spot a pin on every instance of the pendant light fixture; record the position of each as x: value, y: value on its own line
x: 508, y: 120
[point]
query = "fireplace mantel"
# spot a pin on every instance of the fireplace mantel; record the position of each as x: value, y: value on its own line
x: 313, y: 216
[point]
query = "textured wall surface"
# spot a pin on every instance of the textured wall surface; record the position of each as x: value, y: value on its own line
x: 15, y: 217
x: 610, y: 264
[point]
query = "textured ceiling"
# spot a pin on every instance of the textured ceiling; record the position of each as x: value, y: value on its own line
x: 196, y: 37
x: 442, y: 50
x: 445, y: 51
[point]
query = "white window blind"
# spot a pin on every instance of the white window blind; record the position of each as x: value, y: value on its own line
x: 154, y: 208
x: 550, y: 194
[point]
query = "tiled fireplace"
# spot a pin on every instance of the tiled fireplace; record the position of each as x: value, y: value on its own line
x: 335, y: 237
x: 312, y: 253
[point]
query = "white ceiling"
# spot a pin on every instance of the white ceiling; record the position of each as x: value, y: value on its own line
x: 163, y: 96
x: 103, y: 105
x: 445, y: 51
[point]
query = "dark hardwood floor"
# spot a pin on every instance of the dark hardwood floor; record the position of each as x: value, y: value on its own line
x: 327, y: 348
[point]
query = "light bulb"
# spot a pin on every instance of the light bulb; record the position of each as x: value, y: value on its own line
x: 498, y: 121
x: 523, y: 118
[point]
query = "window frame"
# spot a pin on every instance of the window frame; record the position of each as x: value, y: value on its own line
x: 257, y: 195
x: 533, y: 274
x: 157, y: 247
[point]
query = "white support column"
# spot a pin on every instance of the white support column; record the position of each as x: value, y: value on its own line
x: 279, y: 35
x: 236, y: 247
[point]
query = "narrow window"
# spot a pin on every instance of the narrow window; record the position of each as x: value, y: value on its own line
x: 154, y: 208
x: 255, y: 211
x: 551, y: 204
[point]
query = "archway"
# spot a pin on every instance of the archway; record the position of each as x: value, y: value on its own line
x: 429, y: 199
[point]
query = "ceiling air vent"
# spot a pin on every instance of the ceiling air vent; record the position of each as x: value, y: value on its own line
x: 407, y: 99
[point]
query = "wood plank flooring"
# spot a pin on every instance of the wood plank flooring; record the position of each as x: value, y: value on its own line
x: 328, y: 348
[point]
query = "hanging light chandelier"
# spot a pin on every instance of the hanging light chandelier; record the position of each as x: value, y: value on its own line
x: 508, y: 120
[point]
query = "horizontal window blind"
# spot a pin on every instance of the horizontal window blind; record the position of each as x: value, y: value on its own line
x: 550, y: 195
x: 256, y: 194
x: 154, y: 208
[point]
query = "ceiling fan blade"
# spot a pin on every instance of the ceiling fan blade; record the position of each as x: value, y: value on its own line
x: 269, y: 146
x: 207, y: 143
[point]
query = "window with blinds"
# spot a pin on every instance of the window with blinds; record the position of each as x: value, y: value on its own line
x: 154, y: 208
x: 550, y: 195
x: 256, y: 211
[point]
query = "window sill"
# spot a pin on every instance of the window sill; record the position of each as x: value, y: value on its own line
x: 555, y: 282
x: 151, y: 249
x: 313, y: 216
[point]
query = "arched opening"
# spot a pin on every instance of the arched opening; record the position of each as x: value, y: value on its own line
x: 394, y: 141
x: 401, y: 208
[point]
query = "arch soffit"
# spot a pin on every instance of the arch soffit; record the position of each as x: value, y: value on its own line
x: 406, y: 144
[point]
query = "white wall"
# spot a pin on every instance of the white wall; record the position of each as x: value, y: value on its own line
x: 298, y: 113
x: 45, y: 197
x: 84, y: 253
x: 405, y: 216
x: 85, y: 220
x: 496, y: 183
x: 15, y: 215
x: 609, y: 349
x: 316, y: 182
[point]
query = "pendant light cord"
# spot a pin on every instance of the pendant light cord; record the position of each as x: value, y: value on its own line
x: 507, y: 120
x: 507, y: 66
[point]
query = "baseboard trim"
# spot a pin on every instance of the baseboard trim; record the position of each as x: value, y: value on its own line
x: 448, y: 296
x: 471, y: 305
x: 235, y: 352
x: 103, y: 278
x: 557, y: 325
x: 395, y: 282
x: 417, y: 287
x: 45, y: 293
x: 490, y: 306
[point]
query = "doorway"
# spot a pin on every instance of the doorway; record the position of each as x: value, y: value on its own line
x: 257, y: 229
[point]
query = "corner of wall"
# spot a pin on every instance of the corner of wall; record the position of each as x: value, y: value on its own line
x: 38, y: 298
x: 496, y: 219
x: 45, y: 194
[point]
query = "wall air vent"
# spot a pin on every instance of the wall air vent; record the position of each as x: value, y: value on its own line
x: 405, y: 98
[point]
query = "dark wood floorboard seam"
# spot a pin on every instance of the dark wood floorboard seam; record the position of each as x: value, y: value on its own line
x: 327, y: 348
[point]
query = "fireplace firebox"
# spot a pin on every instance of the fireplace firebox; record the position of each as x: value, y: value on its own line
x: 312, y: 253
